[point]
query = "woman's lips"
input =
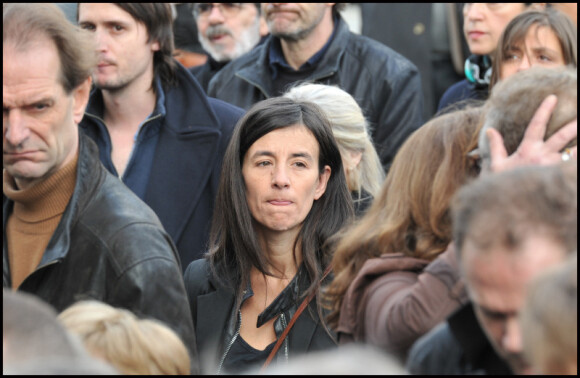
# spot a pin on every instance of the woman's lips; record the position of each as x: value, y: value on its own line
x: 475, y: 34
x: 279, y: 202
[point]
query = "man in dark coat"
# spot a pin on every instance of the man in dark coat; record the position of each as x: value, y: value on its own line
x: 311, y: 42
x: 155, y: 128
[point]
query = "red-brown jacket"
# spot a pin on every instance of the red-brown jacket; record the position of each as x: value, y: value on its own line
x: 395, y: 299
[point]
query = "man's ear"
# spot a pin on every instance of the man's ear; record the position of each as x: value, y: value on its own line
x: 155, y: 46
x: 81, y: 99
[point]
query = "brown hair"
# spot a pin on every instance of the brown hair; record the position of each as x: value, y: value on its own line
x: 515, y: 34
x: 514, y: 101
x: 502, y: 208
x: 411, y: 212
x: 24, y: 24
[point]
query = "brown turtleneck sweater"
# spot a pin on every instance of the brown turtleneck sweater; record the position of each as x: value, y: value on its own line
x: 37, y: 212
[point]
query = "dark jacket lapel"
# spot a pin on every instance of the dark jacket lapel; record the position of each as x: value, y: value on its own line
x: 185, y: 156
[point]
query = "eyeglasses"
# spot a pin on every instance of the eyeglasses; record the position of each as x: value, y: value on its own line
x: 203, y: 10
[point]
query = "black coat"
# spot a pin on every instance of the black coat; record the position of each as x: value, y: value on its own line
x: 186, y: 167
x: 205, y: 72
x: 215, y: 319
x: 386, y: 85
x: 457, y: 346
x: 111, y: 247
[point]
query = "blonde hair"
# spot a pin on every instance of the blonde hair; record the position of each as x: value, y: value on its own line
x: 133, y: 346
x: 550, y: 320
x: 350, y: 129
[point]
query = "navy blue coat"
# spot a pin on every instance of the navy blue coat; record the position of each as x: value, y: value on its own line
x: 186, y: 167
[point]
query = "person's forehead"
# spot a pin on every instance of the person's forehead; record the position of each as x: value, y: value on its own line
x: 531, y: 255
x: 39, y: 55
x: 31, y: 84
x: 292, y: 131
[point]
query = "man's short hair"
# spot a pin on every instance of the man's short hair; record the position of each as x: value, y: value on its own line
x: 24, y: 24
x: 513, y: 102
x: 505, y: 208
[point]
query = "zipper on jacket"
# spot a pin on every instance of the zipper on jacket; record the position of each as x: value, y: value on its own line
x: 284, y: 325
x: 230, y: 343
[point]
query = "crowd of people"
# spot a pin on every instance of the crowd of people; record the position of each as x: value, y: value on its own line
x: 260, y: 188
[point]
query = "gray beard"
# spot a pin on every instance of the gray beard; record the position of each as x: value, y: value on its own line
x: 248, y: 39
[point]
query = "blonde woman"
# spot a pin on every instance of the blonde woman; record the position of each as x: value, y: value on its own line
x: 362, y: 166
x: 131, y: 345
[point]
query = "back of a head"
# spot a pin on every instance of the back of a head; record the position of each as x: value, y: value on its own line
x: 514, y: 101
x: 25, y: 24
x: 350, y: 129
x: 550, y: 320
x: 125, y: 341
x: 30, y: 331
x: 427, y: 171
x: 352, y: 359
x: 504, y: 209
x: 61, y: 366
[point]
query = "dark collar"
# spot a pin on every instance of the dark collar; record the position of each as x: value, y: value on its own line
x: 285, y: 300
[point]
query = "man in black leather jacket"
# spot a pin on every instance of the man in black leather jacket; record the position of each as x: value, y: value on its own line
x: 72, y: 230
x: 311, y: 42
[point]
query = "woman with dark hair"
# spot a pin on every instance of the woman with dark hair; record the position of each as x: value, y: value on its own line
x: 535, y: 38
x: 282, y: 194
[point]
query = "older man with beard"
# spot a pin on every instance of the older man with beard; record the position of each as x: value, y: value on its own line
x: 226, y: 31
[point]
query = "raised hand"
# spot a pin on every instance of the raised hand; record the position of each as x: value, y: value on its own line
x: 533, y: 150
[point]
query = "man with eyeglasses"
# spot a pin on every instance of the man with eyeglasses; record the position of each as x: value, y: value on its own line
x: 155, y: 127
x: 311, y: 42
x: 226, y: 31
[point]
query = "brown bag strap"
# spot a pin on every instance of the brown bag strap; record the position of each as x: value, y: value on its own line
x: 293, y: 320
